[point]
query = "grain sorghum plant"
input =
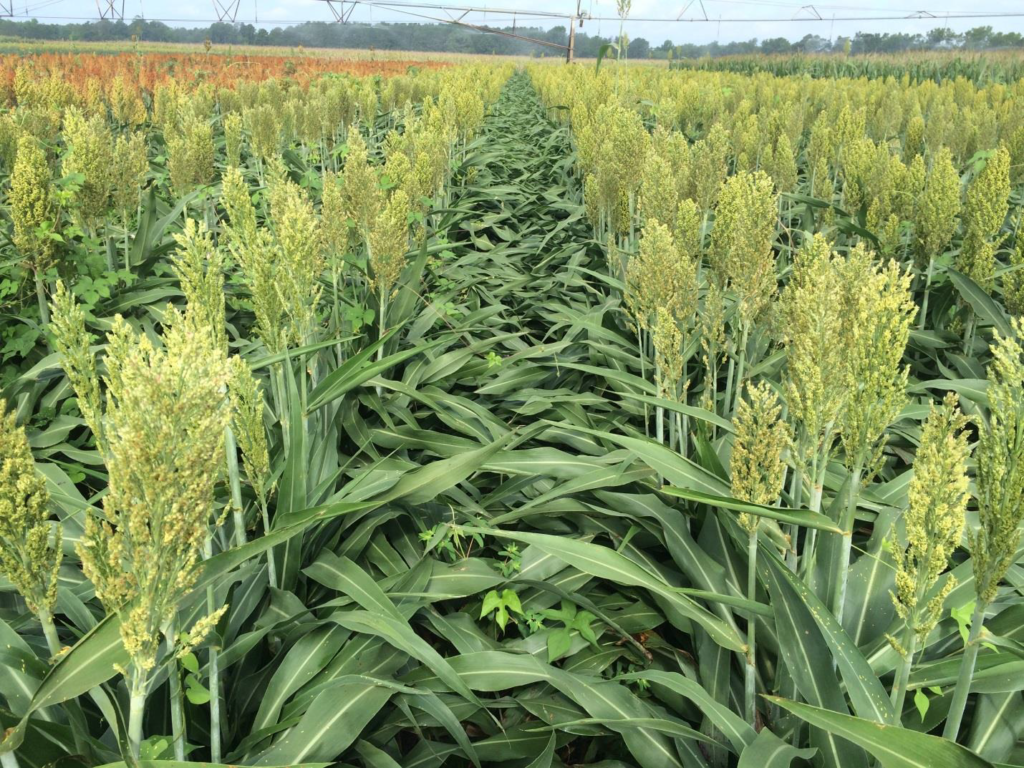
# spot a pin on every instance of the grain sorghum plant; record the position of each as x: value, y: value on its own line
x: 741, y: 242
x: 126, y: 108
x: 1013, y: 280
x: 783, y: 168
x: 658, y: 198
x: 669, y: 367
x: 360, y: 189
x: 250, y: 432
x: 238, y: 205
x: 389, y: 242
x: 936, y: 504
x: 913, y: 138
x: 34, y: 213
x: 823, y: 188
x: 90, y: 154
x: 1000, y: 494
x: 811, y: 315
x: 659, y: 277
x: 264, y: 133
x: 233, y: 139
x: 259, y: 258
x: 300, y: 244
x: 935, y: 218
x: 878, y: 311
x: 163, y: 438
x: 709, y: 163
x: 688, y: 232
x: 30, y: 546
x: 72, y: 340
x: 742, y: 258
x: 937, y: 208
x: 199, y: 266
x: 668, y: 342
x: 984, y: 212
x: 190, y: 154
x: 757, y: 473
x: 130, y: 166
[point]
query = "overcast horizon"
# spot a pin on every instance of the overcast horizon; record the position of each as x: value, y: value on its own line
x: 728, y: 18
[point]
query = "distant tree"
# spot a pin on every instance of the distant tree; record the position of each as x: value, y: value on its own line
x: 977, y: 38
x: 776, y: 45
x: 638, y: 49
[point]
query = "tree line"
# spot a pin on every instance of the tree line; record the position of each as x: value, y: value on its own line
x: 450, y: 38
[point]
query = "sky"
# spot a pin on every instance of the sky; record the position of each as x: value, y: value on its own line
x: 728, y: 19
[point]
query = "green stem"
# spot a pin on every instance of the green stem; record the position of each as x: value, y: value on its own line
x: 963, y: 681
x: 211, y: 607
x: 927, y: 293
x: 177, y: 708
x: 49, y: 631
x: 899, y: 686
x: 843, y: 566
x: 807, y: 556
x: 727, y: 400
x: 383, y: 320
x: 79, y: 727
x: 750, y: 687
x: 741, y: 367
x: 659, y: 412
x: 282, y: 405
x: 271, y: 566
x: 136, y: 710
x: 44, y: 307
x: 796, y: 488
x: 8, y: 760
x: 231, y: 452
x: 643, y: 375
x: 969, y: 333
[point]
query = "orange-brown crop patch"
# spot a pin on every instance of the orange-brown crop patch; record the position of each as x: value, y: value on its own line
x: 147, y: 70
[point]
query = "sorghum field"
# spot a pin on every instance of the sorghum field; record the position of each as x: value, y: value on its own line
x: 404, y: 415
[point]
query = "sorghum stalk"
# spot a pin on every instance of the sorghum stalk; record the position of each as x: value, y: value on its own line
x: 846, y: 547
x: 966, y: 674
x: 927, y: 294
x: 177, y: 696
x: 136, y: 710
x: 44, y: 306
x: 211, y: 608
x: 750, y: 679
x: 742, y: 363
x: 237, y: 511
x: 668, y: 342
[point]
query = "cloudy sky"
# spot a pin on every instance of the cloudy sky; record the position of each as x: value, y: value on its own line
x: 729, y: 19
